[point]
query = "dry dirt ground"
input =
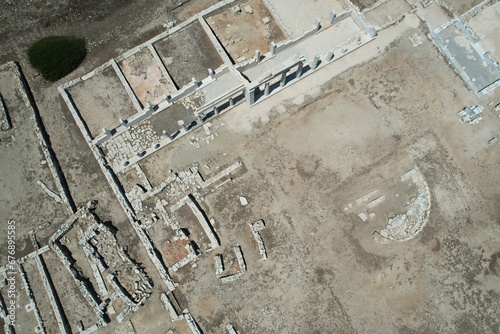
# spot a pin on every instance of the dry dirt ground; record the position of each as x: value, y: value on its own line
x: 306, y: 159
x: 461, y: 6
x: 307, y: 155
x: 102, y: 100
x: 362, y: 4
x: 178, y: 51
x: 488, y: 32
x: 392, y: 9
x: 145, y: 78
x: 109, y: 28
x: 22, y: 165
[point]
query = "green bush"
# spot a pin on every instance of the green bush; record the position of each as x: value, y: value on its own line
x: 56, y: 56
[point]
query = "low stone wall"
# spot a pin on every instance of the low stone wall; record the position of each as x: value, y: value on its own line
x: 29, y: 292
x: 275, y: 48
x: 42, y: 136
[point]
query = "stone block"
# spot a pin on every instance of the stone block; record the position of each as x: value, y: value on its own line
x: 248, y: 9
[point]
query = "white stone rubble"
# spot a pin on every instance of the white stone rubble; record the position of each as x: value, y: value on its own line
x: 256, y: 228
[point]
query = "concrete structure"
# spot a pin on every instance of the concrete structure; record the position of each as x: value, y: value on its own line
x: 407, y: 225
x: 219, y: 265
x: 152, y: 207
x: 7, y: 327
x: 230, y: 328
x: 169, y: 306
x: 5, y: 123
x: 473, y: 64
x: 193, y: 325
x: 240, y: 258
x: 223, y: 88
x: 192, y: 253
x: 470, y: 114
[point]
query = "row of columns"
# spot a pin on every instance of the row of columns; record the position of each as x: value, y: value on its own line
x: 250, y: 92
x: 183, y: 128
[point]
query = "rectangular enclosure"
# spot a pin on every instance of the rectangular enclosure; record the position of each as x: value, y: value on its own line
x: 102, y: 100
x: 243, y: 31
x: 145, y: 77
x: 188, y: 54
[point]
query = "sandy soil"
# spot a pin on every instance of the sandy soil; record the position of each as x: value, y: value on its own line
x: 22, y: 165
x: 362, y: 4
x: 327, y: 148
x: 102, y: 100
x: 490, y: 39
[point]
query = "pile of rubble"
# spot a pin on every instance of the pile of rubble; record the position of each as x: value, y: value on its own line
x: 405, y: 226
x: 256, y: 228
x: 207, y: 127
x: 470, y: 114
x: 219, y: 266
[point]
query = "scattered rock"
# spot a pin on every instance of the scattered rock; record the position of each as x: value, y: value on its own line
x: 243, y: 201
x: 363, y: 216
x: 266, y: 20
x: 169, y: 24
x: 248, y: 9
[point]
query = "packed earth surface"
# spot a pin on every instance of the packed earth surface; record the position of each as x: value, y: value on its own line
x: 354, y: 199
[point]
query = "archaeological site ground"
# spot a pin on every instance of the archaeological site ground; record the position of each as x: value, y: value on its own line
x: 252, y: 166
